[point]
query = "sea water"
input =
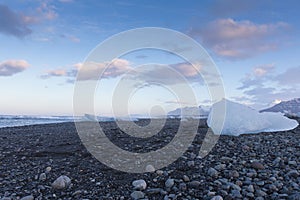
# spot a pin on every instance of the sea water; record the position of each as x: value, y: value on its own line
x: 23, y: 120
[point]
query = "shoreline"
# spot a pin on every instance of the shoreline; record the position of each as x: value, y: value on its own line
x: 228, y: 170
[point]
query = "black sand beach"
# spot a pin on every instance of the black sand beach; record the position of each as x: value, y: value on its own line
x: 259, y: 166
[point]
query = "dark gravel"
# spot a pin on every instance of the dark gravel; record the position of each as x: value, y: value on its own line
x: 258, y: 166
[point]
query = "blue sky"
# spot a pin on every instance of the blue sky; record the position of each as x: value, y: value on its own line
x: 255, y: 45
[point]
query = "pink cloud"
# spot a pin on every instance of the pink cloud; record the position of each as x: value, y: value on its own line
x: 46, y: 12
x: 11, y: 67
x: 240, y: 39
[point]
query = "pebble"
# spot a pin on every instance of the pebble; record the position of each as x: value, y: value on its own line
x: 169, y: 183
x: 186, y: 178
x: 182, y: 186
x: 250, y: 188
x: 137, y: 195
x: 220, y: 167
x: 139, y: 184
x: 194, y: 184
x: 295, y: 196
x: 234, y: 174
x: 48, y: 169
x: 159, y: 172
x: 217, y: 198
x: 292, y: 162
x: 42, y: 177
x: 29, y: 197
x: 257, y: 165
x: 61, y: 182
x: 261, y: 193
x: 236, y: 194
x: 293, y: 173
x: 191, y: 163
x: 212, y: 172
x: 260, y: 183
x: 154, y: 190
x: 150, y: 168
x: 235, y: 187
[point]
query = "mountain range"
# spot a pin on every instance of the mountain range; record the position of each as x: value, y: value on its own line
x: 291, y: 107
x: 195, y: 112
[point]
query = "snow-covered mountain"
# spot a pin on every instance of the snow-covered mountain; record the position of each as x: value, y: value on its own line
x: 291, y: 107
x: 194, y: 112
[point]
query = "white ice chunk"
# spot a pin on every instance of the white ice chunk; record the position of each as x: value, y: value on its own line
x: 241, y: 119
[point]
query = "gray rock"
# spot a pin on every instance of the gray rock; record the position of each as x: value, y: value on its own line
x: 217, y: 198
x: 150, y: 168
x: 259, y: 198
x: 159, y: 172
x: 250, y: 188
x: 234, y: 174
x: 226, y: 159
x: 235, y: 187
x: 260, y: 183
x: 257, y: 165
x: 139, y: 184
x: 220, y: 167
x: 169, y: 183
x: 194, y: 184
x: 42, y: 177
x: 29, y: 197
x: 272, y: 187
x: 6, y: 198
x: 295, y: 196
x: 210, y: 194
x: 293, y: 173
x: 212, y: 172
x: 182, y: 186
x: 260, y: 193
x: 250, y: 194
x: 191, y: 163
x: 236, y: 194
x: 137, y: 195
x: 186, y: 178
x: 48, y: 169
x: 154, y: 190
x: 77, y: 192
x: 292, y: 162
x: 61, y: 182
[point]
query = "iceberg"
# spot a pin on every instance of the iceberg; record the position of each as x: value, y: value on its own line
x: 241, y: 119
x: 189, y: 112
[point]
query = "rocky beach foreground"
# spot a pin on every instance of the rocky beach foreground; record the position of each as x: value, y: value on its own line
x: 50, y: 162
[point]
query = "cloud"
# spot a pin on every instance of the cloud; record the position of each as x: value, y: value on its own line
x: 258, y: 75
x: 265, y: 96
x: 91, y: 70
x: 54, y: 73
x: 12, y: 23
x: 151, y: 73
x: 263, y: 86
x: 46, y: 11
x: 17, y: 23
x: 11, y: 67
x: 263, y: 70
x: 290, y: 77
x: 168, y: 75
x: 240, y: 39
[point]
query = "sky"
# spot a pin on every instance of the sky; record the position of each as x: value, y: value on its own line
x: 255, y: 46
